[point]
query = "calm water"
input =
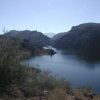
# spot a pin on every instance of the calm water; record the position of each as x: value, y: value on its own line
x: 79, y: 72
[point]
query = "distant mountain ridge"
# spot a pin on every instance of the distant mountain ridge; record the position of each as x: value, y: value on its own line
x: 58, y: 36
x: 34, y: 37
x: 50, y: 35
x: 81, y: 38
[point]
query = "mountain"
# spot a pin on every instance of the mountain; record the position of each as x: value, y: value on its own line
x: 84, y: 38
x: 50, y: 35
x: 58, y: 36
x: 34, y: 37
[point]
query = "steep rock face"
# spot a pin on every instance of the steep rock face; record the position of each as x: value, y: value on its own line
x: 81, y: 38
x: 34, y: 37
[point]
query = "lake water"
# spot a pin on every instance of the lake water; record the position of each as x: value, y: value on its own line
x: 70, y: 67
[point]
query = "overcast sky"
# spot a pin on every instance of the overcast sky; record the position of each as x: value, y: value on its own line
x: 47, y: 15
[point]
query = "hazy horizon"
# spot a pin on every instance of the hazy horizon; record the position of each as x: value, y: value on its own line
x: 47, y: 16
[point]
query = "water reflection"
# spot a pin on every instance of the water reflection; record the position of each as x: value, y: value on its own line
x: 70, y: 67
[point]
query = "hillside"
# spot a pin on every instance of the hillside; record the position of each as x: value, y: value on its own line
x: 34, y: 37
x: 58, y: 36
x: 84, y: 38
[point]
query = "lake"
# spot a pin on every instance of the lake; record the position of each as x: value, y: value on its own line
x: 78, y: 71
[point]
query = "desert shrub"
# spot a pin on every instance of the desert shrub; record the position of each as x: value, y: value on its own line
x: 84, y: 93
x: 11, y: 71
x: 39, y: 81
x: 58, y: 94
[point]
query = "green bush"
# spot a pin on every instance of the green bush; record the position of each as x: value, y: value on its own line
x: 11, y: 71
x: 39, y: 81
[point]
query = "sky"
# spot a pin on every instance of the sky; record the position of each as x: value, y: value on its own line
x: 47, y: 15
